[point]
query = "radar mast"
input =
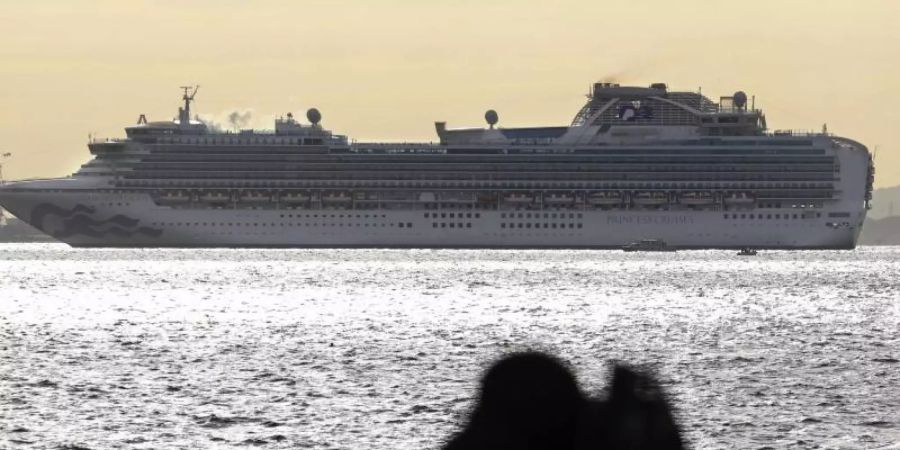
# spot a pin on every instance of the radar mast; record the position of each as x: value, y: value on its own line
x: 184, y: 114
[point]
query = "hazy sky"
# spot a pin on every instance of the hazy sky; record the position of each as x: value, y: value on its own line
x: 387, y: 69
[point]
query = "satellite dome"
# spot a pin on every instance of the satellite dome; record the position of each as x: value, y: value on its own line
x: 491, y: 117
x: 314, y: 116
x: 740, y: 99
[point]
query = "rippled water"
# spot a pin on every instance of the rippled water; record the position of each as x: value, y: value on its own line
x: 381, y: 349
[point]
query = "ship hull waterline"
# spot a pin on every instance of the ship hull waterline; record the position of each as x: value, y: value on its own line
x: 135, y: 220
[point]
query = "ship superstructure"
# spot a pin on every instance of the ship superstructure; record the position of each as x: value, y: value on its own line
x: 635, y: 163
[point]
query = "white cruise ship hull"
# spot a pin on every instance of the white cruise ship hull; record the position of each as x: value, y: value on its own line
x: 636, y: 164
x: 114, y: 219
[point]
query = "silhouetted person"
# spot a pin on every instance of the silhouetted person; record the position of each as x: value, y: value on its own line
x: 527, y: 401
x: 635, y: 415
x: 531, y: 401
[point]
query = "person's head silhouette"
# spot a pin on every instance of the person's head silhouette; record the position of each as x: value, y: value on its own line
x: 531, y: 401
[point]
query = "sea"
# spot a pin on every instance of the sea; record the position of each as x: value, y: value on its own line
x: 382, y: 349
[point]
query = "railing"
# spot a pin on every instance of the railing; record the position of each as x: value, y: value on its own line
x: 733, y: 110
x: 96, y: 140
x: 798, y: 133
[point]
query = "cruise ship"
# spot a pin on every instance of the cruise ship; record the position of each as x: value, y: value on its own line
x: 635, y: 163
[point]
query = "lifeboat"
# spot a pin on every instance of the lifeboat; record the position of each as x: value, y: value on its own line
x: 739, y: 198
x: 650, y: 198
x: 605, y: 198
x: 215, y: 197
x: 336, y: 197
x: 518, y: 198
x: 696, y: 198
x: 254, y: 197
x: 485, y: 199
x: 558, y: 199
x: 364, y: 196
x: 175, y: 197
x: 295, y: 197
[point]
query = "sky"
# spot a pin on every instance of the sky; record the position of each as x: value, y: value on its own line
x: 386, y: 70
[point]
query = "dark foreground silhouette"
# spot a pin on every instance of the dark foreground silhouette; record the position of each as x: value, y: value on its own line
x: 531, y: 401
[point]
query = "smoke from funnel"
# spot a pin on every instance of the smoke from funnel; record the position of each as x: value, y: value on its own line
x: 239, y: 119
x: 234, y: 120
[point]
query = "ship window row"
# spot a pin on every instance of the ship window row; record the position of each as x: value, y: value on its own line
x: 593, y: 184
x: 283, y: 224
x: 333, y: 216
x: 535, y: 172
x: 780, y: 205
x: 304, y: 160
x: 452, y: 215
x: 451, y: 224
x: 225, y: 140
x: 443, y: 178
x: 621, y: 156
x: 538, y: 215
x: 282, y: 171
x: 546, y: 225
x: 770, y: 216
x: 770, y: 150
x: 475, y: 166
x: 456, y: 205
x: 791, y: 205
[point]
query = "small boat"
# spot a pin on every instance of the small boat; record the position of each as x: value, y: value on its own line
x: 648, y: 245
x: 746, y: 251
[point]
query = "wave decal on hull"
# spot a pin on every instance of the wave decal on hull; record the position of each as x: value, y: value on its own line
x: 78, y: 220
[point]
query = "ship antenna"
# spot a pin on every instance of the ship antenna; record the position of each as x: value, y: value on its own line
x: 184, y: 115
